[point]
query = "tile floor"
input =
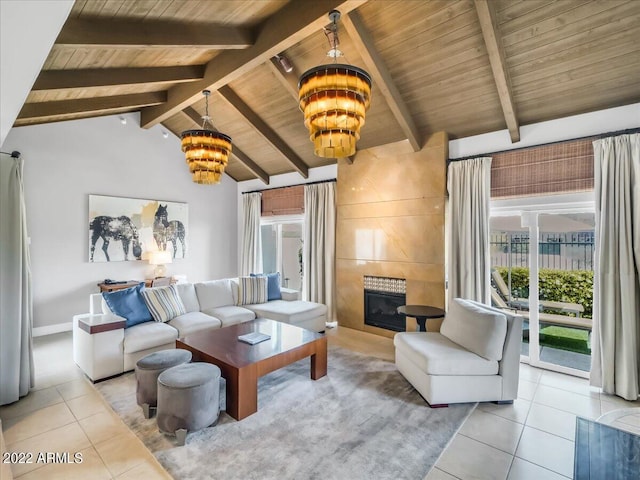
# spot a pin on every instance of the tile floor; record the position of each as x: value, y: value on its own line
x: 531, y: 439
x: 65, y: 414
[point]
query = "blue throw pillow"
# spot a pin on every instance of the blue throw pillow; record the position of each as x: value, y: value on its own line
x: 273, y: 285
x: 128, y: 303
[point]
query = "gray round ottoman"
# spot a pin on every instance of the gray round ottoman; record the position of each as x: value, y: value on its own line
x: 148, y: 368
x: 188, y: 398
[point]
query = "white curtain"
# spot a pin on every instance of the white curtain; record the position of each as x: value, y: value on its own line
x: 469, y: 187
x: 251, y: 253
x: 616, y: 304
x: 16, y: 309
x: 319, y: 249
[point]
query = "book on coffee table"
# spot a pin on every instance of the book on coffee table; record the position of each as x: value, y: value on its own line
x: 254, y: 337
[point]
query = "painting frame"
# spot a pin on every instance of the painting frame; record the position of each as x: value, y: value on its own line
x: 127, y: 229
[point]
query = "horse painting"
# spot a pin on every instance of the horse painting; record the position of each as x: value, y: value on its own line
x: 117, y: 229
x: 165, y: 231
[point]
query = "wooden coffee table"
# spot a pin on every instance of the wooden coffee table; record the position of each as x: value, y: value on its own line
x: 242, y: 364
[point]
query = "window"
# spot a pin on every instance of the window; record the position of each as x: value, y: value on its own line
x: 282, y: 248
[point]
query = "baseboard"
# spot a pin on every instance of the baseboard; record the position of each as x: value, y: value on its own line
x: 51, y: 329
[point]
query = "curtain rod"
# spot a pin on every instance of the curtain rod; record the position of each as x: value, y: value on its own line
x: 595, y: 137
x: 14, y: 154
x: 296, y: 185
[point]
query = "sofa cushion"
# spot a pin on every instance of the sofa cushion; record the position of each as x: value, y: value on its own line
x: 435, y: 354
x: 273, y: 285
x: 164, y: 303
x: 231, y: 314
x: 193, y: 322
x: 187, y: 292
x: 234, y: 290
x: 289, y: 312
x: 252, y: 290
x: 128, y: 303
x: 289, y: 294
x: 148, y: 335
x: 476, y: 329
x: 215, y: 293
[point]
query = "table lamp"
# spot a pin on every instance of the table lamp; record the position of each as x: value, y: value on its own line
x: 160, y: 259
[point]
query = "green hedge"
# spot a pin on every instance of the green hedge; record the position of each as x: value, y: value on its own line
x: 575, y: 286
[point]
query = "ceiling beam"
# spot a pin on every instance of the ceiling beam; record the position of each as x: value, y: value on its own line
x: 288, y: 80
x: 261, y: 127
x: 239, y: 155
x: 93, y: 105
x: 66, y: 117
x: 106, y: 77
x: 105, y: 32
x: 380, y: 74
x: 493, y: 41
x: 290, y: 25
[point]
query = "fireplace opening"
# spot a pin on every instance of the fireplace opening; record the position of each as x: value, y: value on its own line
x: 382, y: 297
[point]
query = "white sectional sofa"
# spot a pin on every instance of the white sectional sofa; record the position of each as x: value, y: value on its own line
x: 103, y: 347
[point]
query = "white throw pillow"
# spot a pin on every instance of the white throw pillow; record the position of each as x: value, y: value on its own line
x: 479, y: 331
x: 214, y: 293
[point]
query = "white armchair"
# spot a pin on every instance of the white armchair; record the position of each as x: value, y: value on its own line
x: 474, y: 358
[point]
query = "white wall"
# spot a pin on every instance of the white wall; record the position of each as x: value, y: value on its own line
x: 65, y: 162
x: 576, y: 126
x: 28, y: 30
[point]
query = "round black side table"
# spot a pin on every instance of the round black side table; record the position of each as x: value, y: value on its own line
x: 421, y: 313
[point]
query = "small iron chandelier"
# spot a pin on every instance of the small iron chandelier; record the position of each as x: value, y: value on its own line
x: 334, y: 99
x: 206, y: 150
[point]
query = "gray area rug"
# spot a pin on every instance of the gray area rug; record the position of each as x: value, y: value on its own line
x: 362, y: 421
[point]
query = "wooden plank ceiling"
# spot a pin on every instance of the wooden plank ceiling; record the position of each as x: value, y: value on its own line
x: 461, y: 66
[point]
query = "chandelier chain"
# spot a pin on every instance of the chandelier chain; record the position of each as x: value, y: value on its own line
x: 331, y: 32
x: 206, y: 118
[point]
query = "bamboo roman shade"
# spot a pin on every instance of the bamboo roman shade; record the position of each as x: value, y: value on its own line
x: 283, y: 201
x: 556, y: 168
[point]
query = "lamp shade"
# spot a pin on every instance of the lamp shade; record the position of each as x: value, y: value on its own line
x: 207, y: 154
x: 334, y: 99
x: 160, y: 257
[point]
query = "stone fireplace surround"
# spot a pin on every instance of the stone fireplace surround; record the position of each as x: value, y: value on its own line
x: 390, y: 223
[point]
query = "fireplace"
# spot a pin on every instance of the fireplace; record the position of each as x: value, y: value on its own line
x: 382, y: 297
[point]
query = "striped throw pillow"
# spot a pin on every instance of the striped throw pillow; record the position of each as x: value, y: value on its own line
x: 252, y: 290
x: 164, y: 303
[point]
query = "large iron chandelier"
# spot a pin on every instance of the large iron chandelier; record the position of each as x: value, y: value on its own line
x: 334, y: 99
x: 206, y: 150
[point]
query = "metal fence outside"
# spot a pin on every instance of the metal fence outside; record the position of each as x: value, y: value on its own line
x: 559, y: 251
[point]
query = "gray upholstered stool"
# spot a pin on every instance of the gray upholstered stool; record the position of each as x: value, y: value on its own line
x: 188, y: 398
x: 148, y: 368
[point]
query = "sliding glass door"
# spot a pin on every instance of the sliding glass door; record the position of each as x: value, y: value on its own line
x: 282, y: 249
x: 565, y: 288
x: 509, y: 244
x: 542, y: 268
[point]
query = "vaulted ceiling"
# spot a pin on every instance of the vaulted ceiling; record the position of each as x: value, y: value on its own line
x: 461, y: 66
